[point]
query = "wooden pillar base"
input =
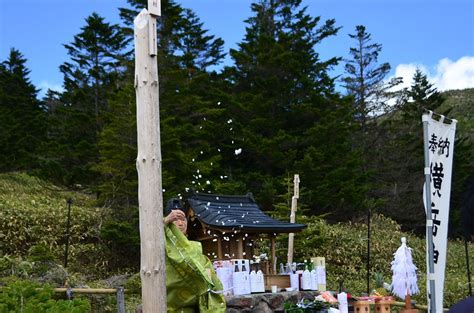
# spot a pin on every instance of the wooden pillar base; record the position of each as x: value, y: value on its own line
x: 409, y: 311
x: 383, y: 306
x: 362, y: 306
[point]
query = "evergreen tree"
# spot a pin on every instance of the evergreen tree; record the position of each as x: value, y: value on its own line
x: 97, y: 62
x: 93, y: 74
x: 287, y: 105
x: 22, y: 124
x: 188, y: 110
x: 365, y: 77
x: 401, y: 157
x: 421, y: 96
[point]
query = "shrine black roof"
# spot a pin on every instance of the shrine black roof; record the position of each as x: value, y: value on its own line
x: 237, y: 213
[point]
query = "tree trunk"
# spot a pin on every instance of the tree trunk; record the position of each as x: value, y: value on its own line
x: 150, y: 197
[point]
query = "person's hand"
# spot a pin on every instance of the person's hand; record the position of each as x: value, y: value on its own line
x: 175, y: 215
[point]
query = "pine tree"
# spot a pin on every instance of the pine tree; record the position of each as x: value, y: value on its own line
x: 97, y: 62
x: 288, y: 107
x: 421, y: 96
x: 90, y: 77
x: 399, y: 154
x: 365, y: 77
x: 188, y: 111
x: 22, y: 124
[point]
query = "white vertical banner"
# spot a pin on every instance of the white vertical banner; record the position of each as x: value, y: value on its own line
x: 439, y: 144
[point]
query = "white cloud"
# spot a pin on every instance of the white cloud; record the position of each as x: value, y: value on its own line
x: 446, y: 75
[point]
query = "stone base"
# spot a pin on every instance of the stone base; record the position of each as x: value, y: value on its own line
x: 266, y: 302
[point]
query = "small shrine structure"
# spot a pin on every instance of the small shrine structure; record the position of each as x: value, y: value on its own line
x: 228, y: 226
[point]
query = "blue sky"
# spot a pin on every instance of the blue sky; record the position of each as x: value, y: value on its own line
x: 434, y: 35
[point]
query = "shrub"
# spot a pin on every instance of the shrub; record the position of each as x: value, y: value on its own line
x: 33, y: 216
x: 29, y: 297
x: 344, y: 245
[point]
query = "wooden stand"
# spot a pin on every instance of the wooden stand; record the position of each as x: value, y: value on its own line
x: 362, y: 306
x: 383, y: 306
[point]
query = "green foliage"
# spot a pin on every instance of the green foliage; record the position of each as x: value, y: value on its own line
x: 123, y: 240
x: 134, y: 283
x: 76, y: 116
x: 29, y: 297
x: 307, y: 306
x: 344, y: 245
x: 33, y: 217
x: 22, y: 118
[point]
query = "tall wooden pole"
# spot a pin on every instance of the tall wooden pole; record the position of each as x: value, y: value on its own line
x: 294, y: 205
x: 150, y: 197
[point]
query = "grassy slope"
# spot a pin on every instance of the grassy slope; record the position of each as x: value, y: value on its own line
x: 34, y: 213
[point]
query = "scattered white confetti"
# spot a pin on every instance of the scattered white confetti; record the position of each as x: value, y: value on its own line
x: 202, y: 152
x: 200, y: 176
x: 217, y: 198
x: 238, y: 151
x: 218, y: 149
x: 232, y: 142
x: 192, y: 160
x: 164, y: 189
x: 200, y: 127
x: 197, y: 171
x: 214, y: 240
x: 231, y: 128
x: 229, y: 121
x: 186, y: 189
x: 219, y: 103
x: 243, y: 253
x: 208, y: 203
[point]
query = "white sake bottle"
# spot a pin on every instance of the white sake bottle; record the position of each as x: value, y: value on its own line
x: 314, y: 279
x: 306, y: 279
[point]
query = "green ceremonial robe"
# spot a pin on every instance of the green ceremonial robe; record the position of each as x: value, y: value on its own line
x: 191, y: 282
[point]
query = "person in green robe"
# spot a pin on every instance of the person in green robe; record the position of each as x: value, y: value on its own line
x: 191, y: 282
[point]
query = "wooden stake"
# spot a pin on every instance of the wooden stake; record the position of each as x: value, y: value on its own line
x: 408, y: 302
x: 150, y: 197
x: 273, y: 253
x: 408, y: 307
x: 294, y: 205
